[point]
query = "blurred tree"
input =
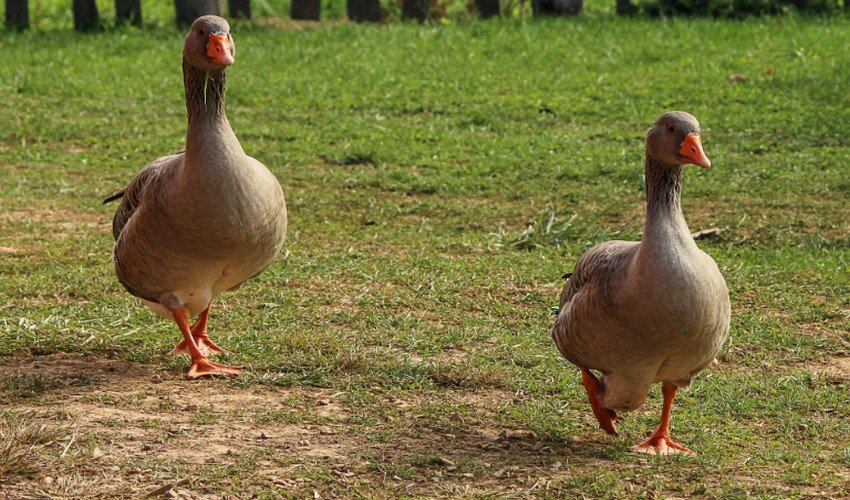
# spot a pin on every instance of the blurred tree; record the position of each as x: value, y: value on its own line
x: 557, y: 7
x: 86, y: 17
x: 626, y: 8
x: 414, y: 9
x: 364, y: 10
x: 309, y: 10
x: 240, y: 8
x: 128, y: 10
x: 488, y: 8
x: 189, y: 10
x: 17, y: 14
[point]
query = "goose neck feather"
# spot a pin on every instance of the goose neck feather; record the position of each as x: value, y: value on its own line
x: 663, y: 187
x: 204, y: 92
x: 210, y: 141
x: 665, y: 224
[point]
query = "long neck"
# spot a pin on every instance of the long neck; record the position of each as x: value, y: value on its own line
x: 204, y: 93
x: 209, y: 132
x: 665, y: 225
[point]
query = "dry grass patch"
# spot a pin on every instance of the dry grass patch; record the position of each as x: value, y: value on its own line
x: 17, y: 252
x: 834, y: 368
x: 832, y: 330
x: 60, y: 223
x: 20, y: 435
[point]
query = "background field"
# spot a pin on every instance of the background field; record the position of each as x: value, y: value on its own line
x: 440, y: 181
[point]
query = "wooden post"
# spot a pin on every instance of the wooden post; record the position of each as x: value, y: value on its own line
x: 414, y: 9
x: 625, y: 8
x: 488, y: 8
x: 364, y: 10
x: 189, y: 10
x: 557, y: 7
x: 306, y: 10
x: 17, y: 14
x: 128, y: 10
x: 240, y: 9
x: 86, y: 17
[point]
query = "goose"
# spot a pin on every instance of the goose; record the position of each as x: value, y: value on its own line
x: 200, y: 222
x: 651, y: 311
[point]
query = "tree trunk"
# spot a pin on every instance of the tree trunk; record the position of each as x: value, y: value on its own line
x: 537, y: 8
x: 189, y: 10
x: 364, y: 10
x: 488, y: 8
x: 128, y: 10
x: 557, y: 7
x: 308, y: 10
x: 625, y: 8
x: 414, y: 9
x: 86, y: 17
x: 240, y: 8
x: 17, y: 14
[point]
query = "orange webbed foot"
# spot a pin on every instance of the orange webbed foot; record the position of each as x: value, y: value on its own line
x: 182, y: 349
x: 202, y: 367
x: 604, y: 416
x: 659, y: 444
x: 199, y: 333
x: 206, y: 343
x: 202, y: 342
x: 205, y: 346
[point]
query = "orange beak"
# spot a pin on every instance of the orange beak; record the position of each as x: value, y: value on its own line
x: 692, y: 152
x: 219, y: 49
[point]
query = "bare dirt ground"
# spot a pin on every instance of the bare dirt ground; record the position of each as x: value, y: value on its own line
x: 98, y: 427
x: 120, y: 413
x: 127, y: 430
x: 834, y: 368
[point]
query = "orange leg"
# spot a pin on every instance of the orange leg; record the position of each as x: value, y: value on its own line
x: 199, y: 333
x: 660, y: 443
x: 201, y: 366
x: 605, y: 416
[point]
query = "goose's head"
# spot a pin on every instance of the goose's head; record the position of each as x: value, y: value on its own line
x: 675, y: 140
x: 208, y: 44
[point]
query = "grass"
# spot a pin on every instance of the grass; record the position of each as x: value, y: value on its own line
x: 440, y: 180
x: 20, y: 435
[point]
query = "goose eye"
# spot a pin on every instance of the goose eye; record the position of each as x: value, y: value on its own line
x: 672, y: 129
x: 200, y: 31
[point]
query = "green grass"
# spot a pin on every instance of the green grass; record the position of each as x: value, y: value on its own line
x: 413, y: 287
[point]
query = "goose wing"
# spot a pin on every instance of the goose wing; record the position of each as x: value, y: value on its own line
x: 140, y: 188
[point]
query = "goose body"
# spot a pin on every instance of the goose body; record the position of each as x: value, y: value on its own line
x: 203, y: 221
x: 179, y: 242
x: 652, y: 311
